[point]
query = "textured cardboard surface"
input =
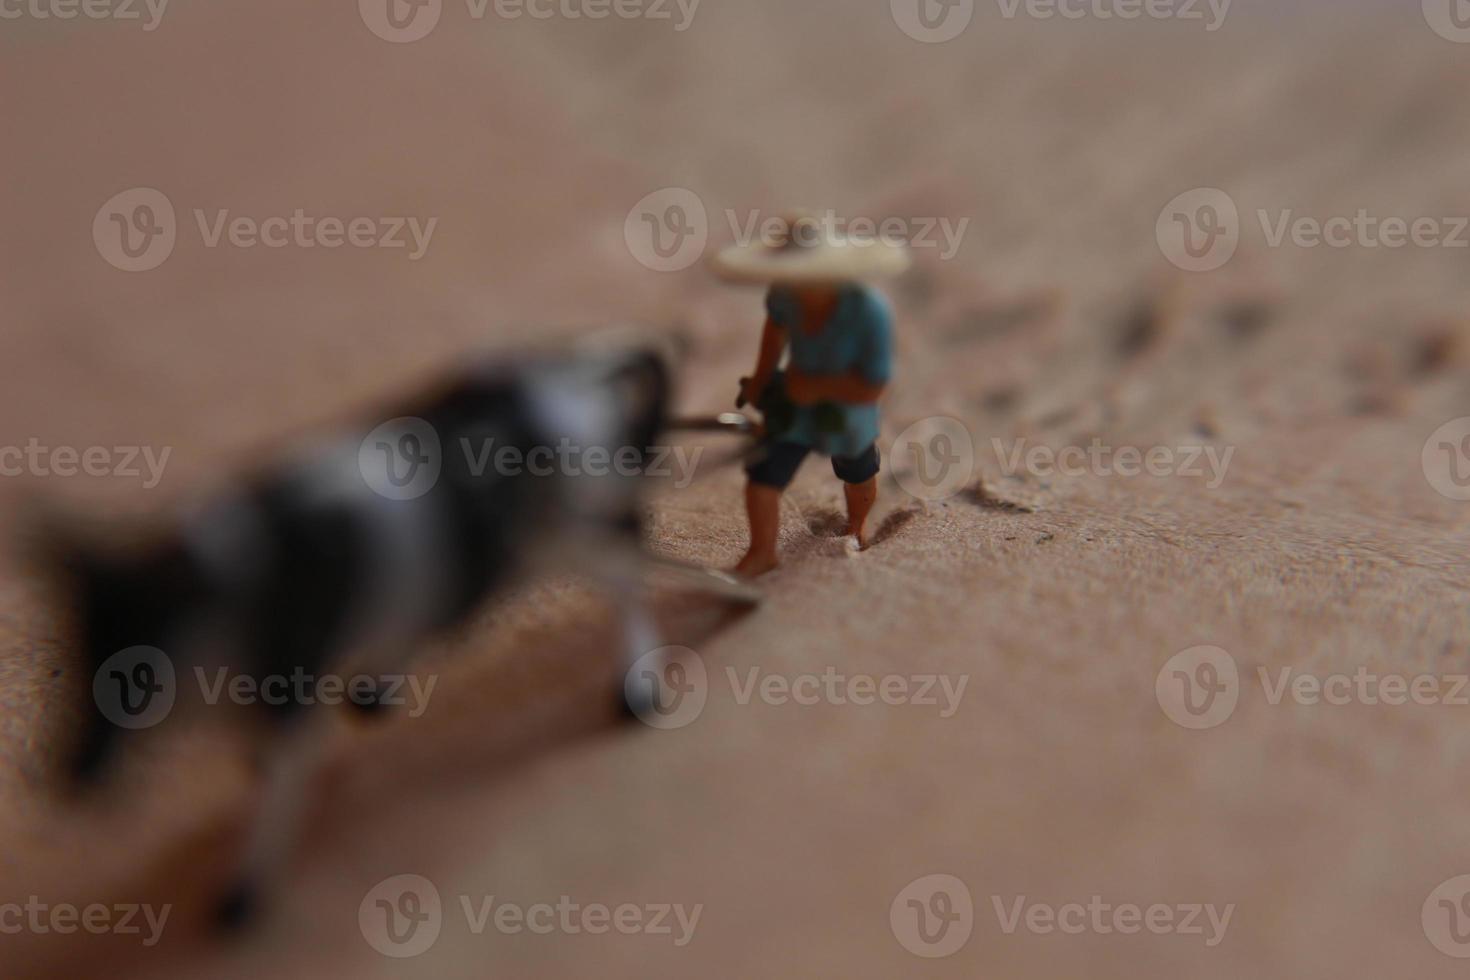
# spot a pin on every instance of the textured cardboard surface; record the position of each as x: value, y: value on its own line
x: 1059, y: 600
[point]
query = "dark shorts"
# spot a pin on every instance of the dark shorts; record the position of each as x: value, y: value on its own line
x: 776, y: 463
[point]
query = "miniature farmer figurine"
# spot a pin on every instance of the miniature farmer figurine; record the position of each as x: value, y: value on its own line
x: 837, y: 337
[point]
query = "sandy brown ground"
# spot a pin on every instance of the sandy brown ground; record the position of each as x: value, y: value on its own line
x: 1059, y: 777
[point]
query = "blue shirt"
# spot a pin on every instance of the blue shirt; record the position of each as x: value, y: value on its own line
x: 856, y: 339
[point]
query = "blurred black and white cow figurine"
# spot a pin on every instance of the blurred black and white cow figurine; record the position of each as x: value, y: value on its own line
x: 344, y: 560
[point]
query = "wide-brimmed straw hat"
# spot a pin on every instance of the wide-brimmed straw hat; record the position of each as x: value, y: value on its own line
x: 805, y: 250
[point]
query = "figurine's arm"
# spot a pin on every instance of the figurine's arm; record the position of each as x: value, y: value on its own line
x: 773, y: 342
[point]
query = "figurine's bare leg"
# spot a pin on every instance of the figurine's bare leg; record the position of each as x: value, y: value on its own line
x: 860, y: 499
x: 293, y: 759
x: 763, y: 508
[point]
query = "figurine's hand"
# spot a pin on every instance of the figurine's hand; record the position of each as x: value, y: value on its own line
x: 750, y: 391
x: 803, y: 389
